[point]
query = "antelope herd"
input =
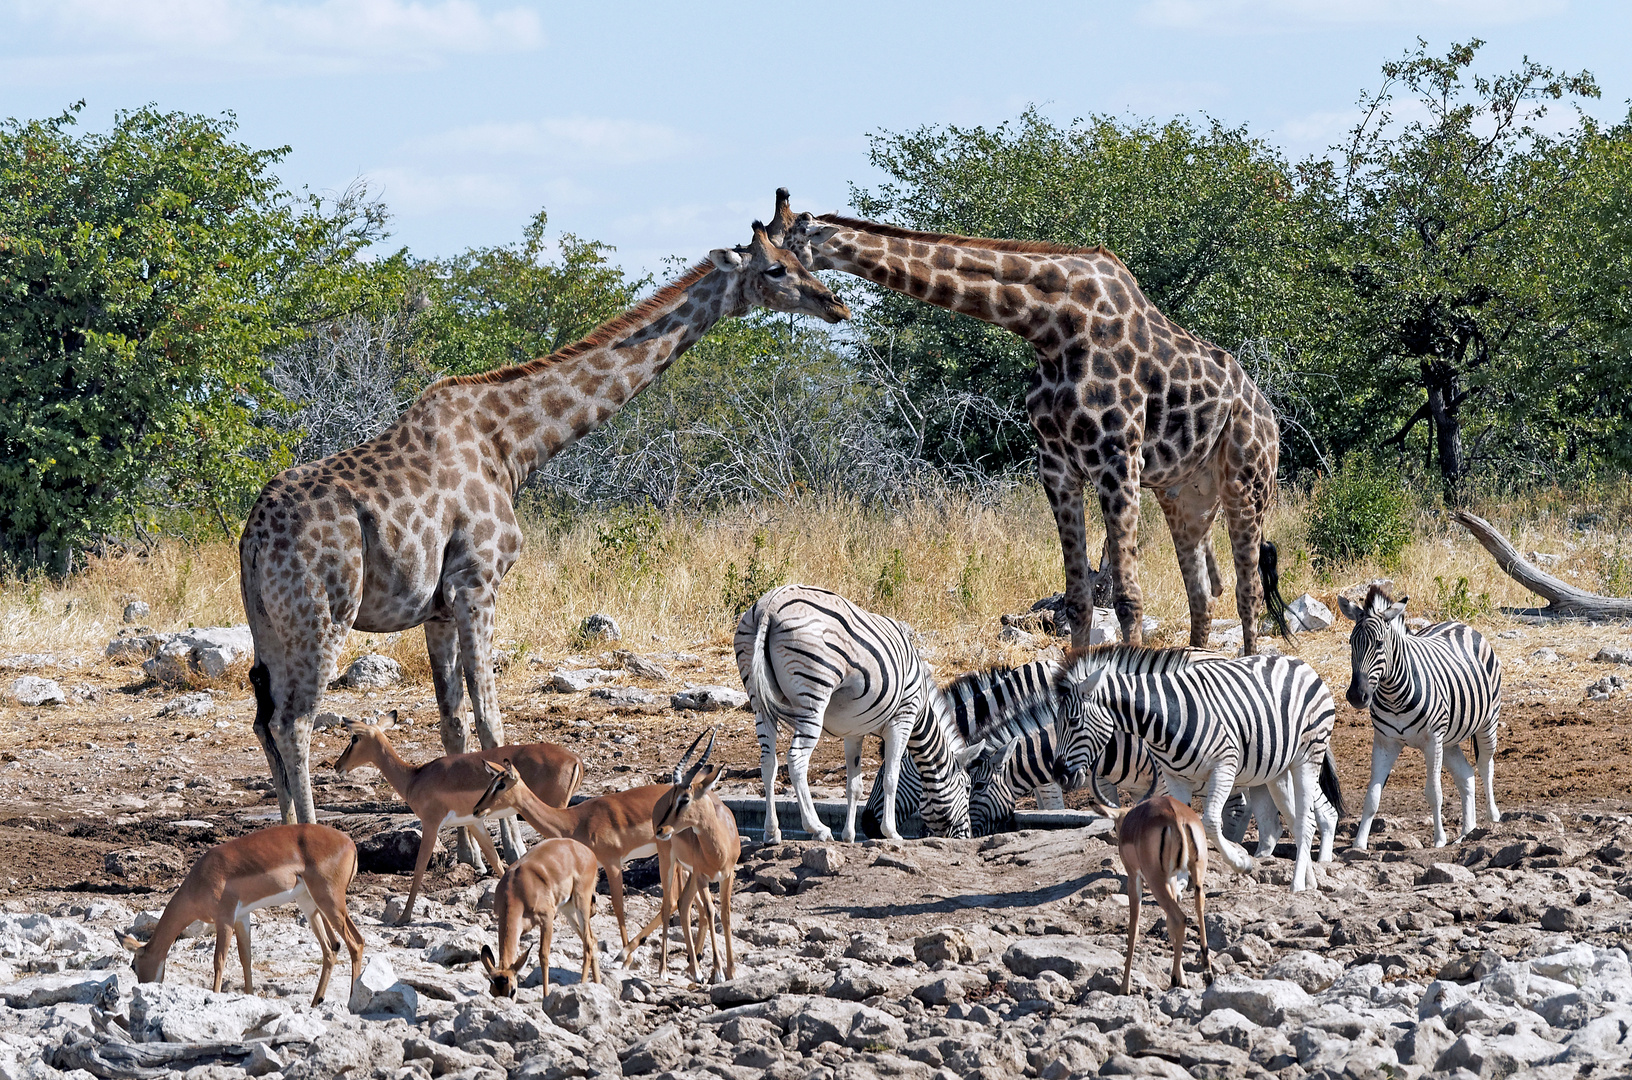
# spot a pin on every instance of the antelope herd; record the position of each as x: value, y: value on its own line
x: 416, y: 527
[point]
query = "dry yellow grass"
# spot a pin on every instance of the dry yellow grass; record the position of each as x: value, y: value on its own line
x: 950, y: 570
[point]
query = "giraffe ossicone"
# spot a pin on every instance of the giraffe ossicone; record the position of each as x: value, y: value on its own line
x: 1121, y: 399
x: 416, y: 526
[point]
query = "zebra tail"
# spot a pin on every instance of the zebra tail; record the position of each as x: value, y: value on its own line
x: 1329, y: 785
x: 1269, y: 573
x: 759, y: 688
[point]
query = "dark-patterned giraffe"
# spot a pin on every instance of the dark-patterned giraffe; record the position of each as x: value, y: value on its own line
x: 416, y: 526
x: 1122, y: 398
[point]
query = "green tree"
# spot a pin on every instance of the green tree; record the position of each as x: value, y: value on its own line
x: 1209, y: 219
x: 1457, y: 220
x: 143, y: 273
x: 507, y: 304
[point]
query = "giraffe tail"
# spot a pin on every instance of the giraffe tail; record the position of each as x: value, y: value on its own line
x: 1270, y: 574
x: 261, y: 679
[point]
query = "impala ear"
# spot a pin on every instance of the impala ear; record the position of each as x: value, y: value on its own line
x: 711, y: 778
x: 492, y: 769
x: 488, y: 962
x: 131, y: 943
x: 388, y: 721
x: 1351, y: 610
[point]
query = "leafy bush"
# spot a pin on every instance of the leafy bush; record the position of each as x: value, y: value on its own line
x: 892, y: 577
x: 757, y: 577
x: 1457, y: 602
x: 1360, y: 511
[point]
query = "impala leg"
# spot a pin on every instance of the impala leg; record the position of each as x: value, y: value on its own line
x: 478, y: 832
x: 241, y: 932
x: 687, y: 898
x: 614, y: 885
x: 726, y: 880
x: 223, y: 938
x: 1462, y: 777
x: 1161, y: 887
x: 713, y: 942
x: 329, y: 911
x: 1133, y: 925
x: 1198, y: 881
x: 427, y: 846
x: 1384, y: 752
x: 324, y: 947
x: 546, y: 931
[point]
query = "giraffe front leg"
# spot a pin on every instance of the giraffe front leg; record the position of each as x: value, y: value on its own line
x: 442, y: 646
x: 1064, y: 488
x: 474, y: 614
x: 1118, y: 487
x: 1247, y: 461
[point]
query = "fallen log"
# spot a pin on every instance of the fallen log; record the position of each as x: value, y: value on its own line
x: 1563, y: 599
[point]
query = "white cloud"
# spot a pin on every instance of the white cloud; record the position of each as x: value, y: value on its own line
x: 1249, y: 16
x: 578, y: 141
x: 287, y: 37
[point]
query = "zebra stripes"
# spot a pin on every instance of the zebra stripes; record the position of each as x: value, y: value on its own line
x: 1432, y: 690
x: 1255, y: 720
x: 814, y: 662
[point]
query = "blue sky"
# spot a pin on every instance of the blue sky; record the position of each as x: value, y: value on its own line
x: 664, y: 128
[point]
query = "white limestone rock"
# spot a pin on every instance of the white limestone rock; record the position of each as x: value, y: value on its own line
x: 33, y: 691
x: 1310, y: 971
x: 709, y: 699
x: 378, y: 992
x: 371, y: 671
x: 1266, y: 1002
x: 1308, y: 614
x: 174, y: 1012
x: 573, y: 680
x: 623, y: 695
x: 599, y: 627
x: 204, y: 651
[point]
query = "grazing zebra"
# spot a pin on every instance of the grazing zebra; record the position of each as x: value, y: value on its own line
x: 813, y: 661
x: 1430, y: 689
x: 1254, y: 720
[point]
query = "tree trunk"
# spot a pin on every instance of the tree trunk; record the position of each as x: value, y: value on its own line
x: 1443, y: 407
x: 1562, y: 599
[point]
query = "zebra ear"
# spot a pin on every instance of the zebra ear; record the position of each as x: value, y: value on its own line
x: 970, y: 754
x: 1395, y: 610
x: 1351, y: 610
x: 1089, y: 686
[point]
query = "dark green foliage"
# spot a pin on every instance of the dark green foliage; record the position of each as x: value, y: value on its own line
x: 1456, y: 602
x: 1360, y: 511
x: 759, y: 575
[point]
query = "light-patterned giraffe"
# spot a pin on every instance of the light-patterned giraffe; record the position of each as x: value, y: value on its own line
x: 1121, y: 399
x: 416, y: 526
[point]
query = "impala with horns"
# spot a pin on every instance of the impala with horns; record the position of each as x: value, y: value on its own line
x: 442, y: 793
x: 1162, y: 844
x: 703, y: 842
x: 556, y: 877
x: 617, y: 826
x: 307, y: 865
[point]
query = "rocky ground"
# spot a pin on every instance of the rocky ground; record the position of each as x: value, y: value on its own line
x: 1501, y: 955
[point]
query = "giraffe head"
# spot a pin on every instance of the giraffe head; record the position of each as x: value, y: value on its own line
x: 800, y: 234
x: 761, y: 274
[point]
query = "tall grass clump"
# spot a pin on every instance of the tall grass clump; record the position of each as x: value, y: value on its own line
x: 1360, y: 511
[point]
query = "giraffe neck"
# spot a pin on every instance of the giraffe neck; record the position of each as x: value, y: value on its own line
x: 1017, y: 290
x: 528, y: 413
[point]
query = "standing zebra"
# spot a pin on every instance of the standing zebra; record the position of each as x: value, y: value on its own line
x: 1431, y: 690
x: 813, y: 661
x: 1255, y: 720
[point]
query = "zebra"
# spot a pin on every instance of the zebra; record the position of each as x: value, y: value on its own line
x: 813, y: 661
x: 1019, y: 751
x: 1254, y: 720
x: 1430, y: 689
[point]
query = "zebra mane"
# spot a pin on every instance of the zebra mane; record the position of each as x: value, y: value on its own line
x: 1377, y: 592
x: 1079, y: 663
x: 1014, y: 696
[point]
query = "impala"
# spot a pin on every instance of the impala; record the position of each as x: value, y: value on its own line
x: 617, y: 827
x: 307, y: 865
x: 443, y: 792
x: 1162, y: 841
x: 558, y: 875
x: 703, y: 841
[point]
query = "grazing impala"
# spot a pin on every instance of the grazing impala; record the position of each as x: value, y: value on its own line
x: 443, y: 792
x: 307, y: 865
x: 617, y: 827
x: 1162, y: 841
x: 703, y: 842
x: 558, y: 875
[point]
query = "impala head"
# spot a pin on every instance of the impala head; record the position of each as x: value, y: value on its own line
x: 1082, y: 727
x: 666, y: 815
x: 501, y: 981
x: 148, y: 961
x: 800, y: 234
x: 501, y: 784
x: 1376, y: 618
x: 364, y: 737
x: 761, y: 274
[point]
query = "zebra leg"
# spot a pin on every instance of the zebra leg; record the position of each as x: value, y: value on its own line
x: 1049, y: 797
x: 1484, y: 753
x: 894, y: 734
x: 765, y: 728
x: 1383, y: 753
x: 1304, y: 781
x: 852, y: 785
x: 1219, y: 787
x: 1434, y: 751
x: 1462, y: 776
x: 802, y: 746
x: 1326, y: 818
x: 1268, y: 817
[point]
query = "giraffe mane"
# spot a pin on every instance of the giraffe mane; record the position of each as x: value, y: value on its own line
x: 1023, y: 247
x: 604, y: 334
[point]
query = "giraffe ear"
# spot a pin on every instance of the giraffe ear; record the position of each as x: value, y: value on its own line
x: 725, y: 259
